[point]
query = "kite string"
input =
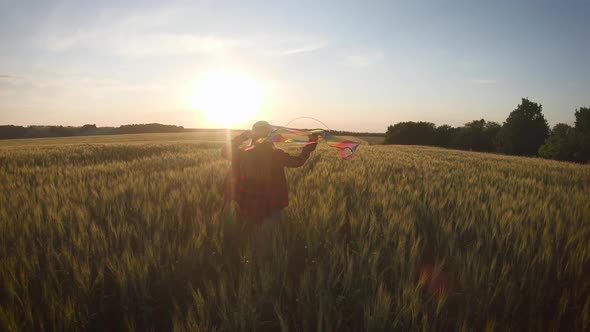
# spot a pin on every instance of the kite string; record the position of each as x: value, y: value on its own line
x: 308, y: 117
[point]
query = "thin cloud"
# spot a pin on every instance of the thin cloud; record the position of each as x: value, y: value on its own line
x: 133, y: 35
x: 147, y: 34
x: 65, y: 83
x: 364, y: 60
x: 97, y: 84
x: 63, y: 42
x: 173, y: 44
x: 305, y: 49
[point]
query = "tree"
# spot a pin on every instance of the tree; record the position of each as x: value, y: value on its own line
x: 147, y: 128
x: 561, y: 145
x: 583, y: 120
x: 444, y: 135
x: 582, y: 127
x: 561, y: 129
x: 88, y: 127
x: 525, y: 129
x: 477, y: 135
x: 12, y: 132
x: 414, y: 133
x: 492, y: 130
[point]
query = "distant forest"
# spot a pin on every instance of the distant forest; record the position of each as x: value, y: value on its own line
x: 14, y: 132
x: 11, y: 132
x: 357, y: 134
x: 524, y: 133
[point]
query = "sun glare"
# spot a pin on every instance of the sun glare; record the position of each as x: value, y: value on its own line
x: 227, y: 98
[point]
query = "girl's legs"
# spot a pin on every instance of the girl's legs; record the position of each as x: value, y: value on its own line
x: 264, y: 235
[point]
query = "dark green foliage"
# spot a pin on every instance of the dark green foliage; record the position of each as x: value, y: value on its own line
x: 525, y: 130
x: 561, y: 129
x: 147, y: 128
x: 583, y: 119
x: 8, y: 132
x: 411, y: 133
x: 444, y: 135
x: 583, y: 132
x: 561, y: 145
x: 354, y: 133
x: 12, y: 132
x: 477, y: 135
x: 567, y: 143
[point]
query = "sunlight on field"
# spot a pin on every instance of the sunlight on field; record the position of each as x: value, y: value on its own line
x: 128, y: 232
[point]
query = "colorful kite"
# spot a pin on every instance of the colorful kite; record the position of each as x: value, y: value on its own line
x: 345, y: 147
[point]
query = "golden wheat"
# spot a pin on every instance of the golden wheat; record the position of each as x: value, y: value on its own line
x: 130, y: 233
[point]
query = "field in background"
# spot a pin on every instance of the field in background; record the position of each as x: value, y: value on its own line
x: 374, y: 140
x: 206, y: 136
x: 129, y: 233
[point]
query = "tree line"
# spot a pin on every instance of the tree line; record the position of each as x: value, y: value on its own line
x: 12, y: 132
x: 525, y: 133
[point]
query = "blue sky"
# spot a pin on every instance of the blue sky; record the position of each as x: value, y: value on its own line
x: 356, y: 65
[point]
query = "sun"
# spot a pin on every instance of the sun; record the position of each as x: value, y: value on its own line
x: 227, y: 98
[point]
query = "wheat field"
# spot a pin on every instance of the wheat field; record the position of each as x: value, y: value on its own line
x: 129, y: 233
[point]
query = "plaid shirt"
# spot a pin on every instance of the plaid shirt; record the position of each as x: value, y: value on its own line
x: 256, y: 180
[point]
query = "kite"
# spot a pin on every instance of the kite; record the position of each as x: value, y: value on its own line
x: 345, y: 147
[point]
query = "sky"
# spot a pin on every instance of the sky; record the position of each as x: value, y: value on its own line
x: 354, y: 65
